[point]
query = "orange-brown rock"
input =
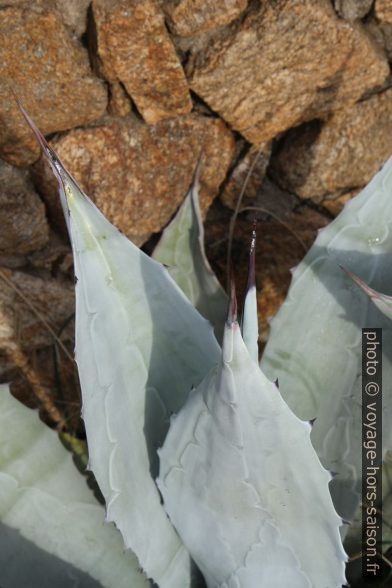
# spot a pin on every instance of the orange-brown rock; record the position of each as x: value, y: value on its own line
x: 249, y: 172
x: 22, y: 213
x: 74, y: 14
x: 49, y: 70
x: 19, y: 325
x: 383, y: 11
x: 138, y: 174
x: 55, y: 257
x: 120, y: 103
x: 381, y: 32
x: 343, y: 154
x: 135, y: 48
x: 281, y: 245
x: 336, y: 205
x: 353, y: 9
x: 191, y: 17
x: 290, y: 61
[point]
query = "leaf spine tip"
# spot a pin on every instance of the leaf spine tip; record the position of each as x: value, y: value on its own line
x: 49, y: 152
x: 197, y: 172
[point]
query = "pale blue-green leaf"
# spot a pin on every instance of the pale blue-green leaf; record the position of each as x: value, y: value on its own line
x: 250, y: 322
x: 243, y: 485
x: 52, y: 530
x: 181, y: 249
x: 140, y: 346
x: 315, y: 344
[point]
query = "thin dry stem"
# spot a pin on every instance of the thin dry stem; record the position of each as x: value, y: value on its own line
x: 235, y: 214
x: 278, y: 220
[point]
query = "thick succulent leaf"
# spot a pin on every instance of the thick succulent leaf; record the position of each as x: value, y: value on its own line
x: 181, y: 249
x: 381, y: 301
x: 250, y: 323
x: 243, y: 485
x: 52, y: 530
x: 140, y: 346
x: 315, y: 344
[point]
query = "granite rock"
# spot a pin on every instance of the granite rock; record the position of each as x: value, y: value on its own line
x: 134, y: 47
x: 74, y: 14
x: 381, y: 32
x: 254, y: 163
x: 53, y: 299
x: 49, y: 71
x: 343, y: 154
x: 55, y: 258
x: 138, y: 174
x: 383, y: 11
x: 336, y: 205
x: 22, y: 214
x: 192, y: 17
x: 287, y: 63
x: 353, y: 9
x: 120, y: 103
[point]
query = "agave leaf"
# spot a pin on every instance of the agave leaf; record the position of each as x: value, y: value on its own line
x: 250, y: 323
x: 52, y: 530
x: 381, y: 301
x: 140, y: 346
x: 243, y: 485
x: 315, y: 343
x: 181, y: 249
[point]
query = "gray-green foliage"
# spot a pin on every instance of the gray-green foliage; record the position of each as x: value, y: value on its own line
x: 315, y: 344
x: 140, y: 346
x: 247, y: 497
x: 181, y: 249
x: 52, y: 530
x: 239, y: 478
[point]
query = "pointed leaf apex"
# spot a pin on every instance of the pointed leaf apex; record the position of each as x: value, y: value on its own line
x: 197, y: 172
x: 38, y: 135
x: 194, y: 194
x: 381, y: 301
x: 250, y: 326
x: 369, y: 291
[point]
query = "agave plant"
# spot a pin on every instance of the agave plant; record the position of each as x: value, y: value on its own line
x: 175, y: 412
x: 315, y: 343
